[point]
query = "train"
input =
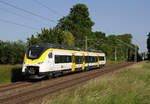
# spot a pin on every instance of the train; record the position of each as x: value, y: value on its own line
x: 45, y: 60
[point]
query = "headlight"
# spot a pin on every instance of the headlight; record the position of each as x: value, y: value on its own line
x: 39, y: 62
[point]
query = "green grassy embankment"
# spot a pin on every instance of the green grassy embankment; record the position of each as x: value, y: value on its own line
x: 10, y: 73
x: 128, y: 86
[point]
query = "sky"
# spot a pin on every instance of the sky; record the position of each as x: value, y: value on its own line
x: 110, y: 16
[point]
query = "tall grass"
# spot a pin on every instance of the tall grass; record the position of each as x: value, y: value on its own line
x: 10, y: 73
x: 109, y: 62
x: 128, y: 86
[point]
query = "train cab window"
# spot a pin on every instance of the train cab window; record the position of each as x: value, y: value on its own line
x: 34, y: 52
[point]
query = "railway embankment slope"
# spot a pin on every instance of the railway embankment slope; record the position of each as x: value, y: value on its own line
x: 128, y: 86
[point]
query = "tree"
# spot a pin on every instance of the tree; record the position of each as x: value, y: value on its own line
x: 148, y: 45
x: 78, y: 23
x: 12, y: 52
x: 32, y: 40
x: 50, y: 35
x: 68, y: 39
x: 96, y: 40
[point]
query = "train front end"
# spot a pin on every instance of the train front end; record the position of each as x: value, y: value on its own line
x: 35, y: 64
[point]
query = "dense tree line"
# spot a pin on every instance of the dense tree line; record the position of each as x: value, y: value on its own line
x: 12, y: 52
x: 71, y: 30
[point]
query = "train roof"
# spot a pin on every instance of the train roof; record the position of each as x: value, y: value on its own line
x: 49, y: 45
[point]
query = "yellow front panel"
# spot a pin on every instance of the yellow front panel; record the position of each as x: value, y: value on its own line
x: 40, y: 59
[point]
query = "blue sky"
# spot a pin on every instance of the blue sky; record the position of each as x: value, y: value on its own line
x: 110, y: 16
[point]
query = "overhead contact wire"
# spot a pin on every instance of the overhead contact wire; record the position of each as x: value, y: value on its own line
x: 2, y: 9
x: 26, y: 11
x: 22, y: 25
x: 43, y: 5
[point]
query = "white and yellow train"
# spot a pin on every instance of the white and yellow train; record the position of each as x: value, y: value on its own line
x: 46, y: 59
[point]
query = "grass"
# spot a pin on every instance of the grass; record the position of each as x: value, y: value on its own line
x: 9, y: 73
x: 129, y: 86
x: 109, y: 62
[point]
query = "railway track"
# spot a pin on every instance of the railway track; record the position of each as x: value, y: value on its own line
x: 40, y: 89
x: 10, y: 84
x: 14, y: 86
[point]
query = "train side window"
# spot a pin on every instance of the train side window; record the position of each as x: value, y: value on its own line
x: 78, y: 59
x: 50, y: 55
x: 89, y: 59
x: 69, y: 59
x: 86, y: 59
x: 63, y: 59
x: 101, y: 58
x: 95, y: 58
x: 57, y: 59
x: 92, y: 59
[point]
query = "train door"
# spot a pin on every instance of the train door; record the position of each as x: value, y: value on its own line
x: 98, y: 62
x: 83, y: 61
x: 49, y: 61
x: 73, y: 62
x: 87, y: 60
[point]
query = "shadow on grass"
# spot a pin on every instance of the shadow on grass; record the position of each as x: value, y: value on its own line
x: 17, y: 75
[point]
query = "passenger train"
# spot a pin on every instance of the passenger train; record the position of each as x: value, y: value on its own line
x: 45, y: 59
